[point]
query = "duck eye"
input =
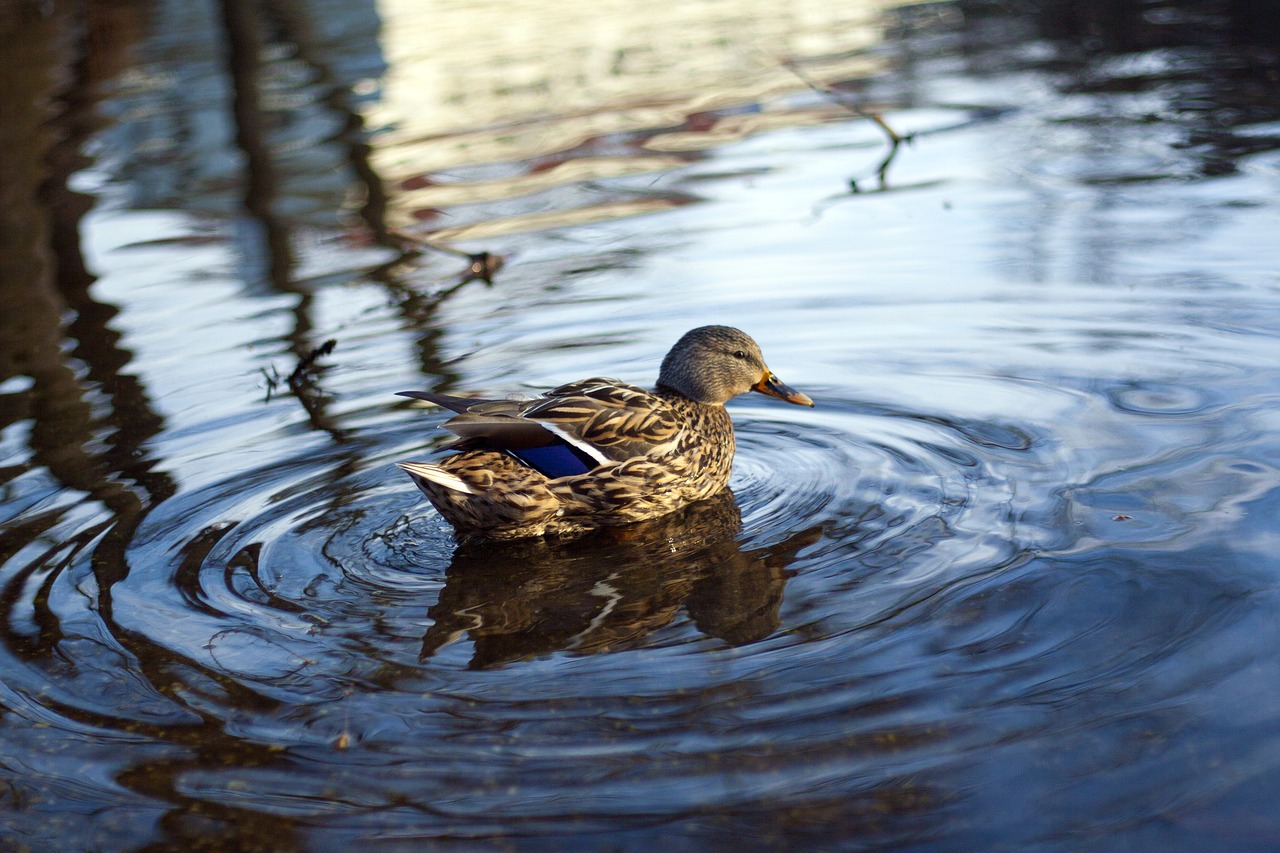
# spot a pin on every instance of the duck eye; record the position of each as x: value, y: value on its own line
x: 740, y: 355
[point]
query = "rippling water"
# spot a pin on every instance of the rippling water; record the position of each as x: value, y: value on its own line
x: 1011, y: 585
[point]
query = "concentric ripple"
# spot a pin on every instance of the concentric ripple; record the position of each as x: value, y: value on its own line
x: 1011, y: 585
x: 325, y: 614
x: 791, y: 641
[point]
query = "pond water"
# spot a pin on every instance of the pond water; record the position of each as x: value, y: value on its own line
x: 1013, y: 584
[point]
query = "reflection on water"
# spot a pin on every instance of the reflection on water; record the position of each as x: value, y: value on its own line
x: 609, y: 591
x: 577, y: 103
x: 1011, y: 586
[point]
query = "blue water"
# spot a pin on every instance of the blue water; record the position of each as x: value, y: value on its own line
x: 1012, y: 584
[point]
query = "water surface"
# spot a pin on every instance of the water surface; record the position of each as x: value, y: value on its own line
x: 1011, y: 585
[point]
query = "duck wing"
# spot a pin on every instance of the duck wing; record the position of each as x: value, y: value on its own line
x: 567, y: 431
x: 621, y: 421
x: 496, y: 423
x: 448, y: 401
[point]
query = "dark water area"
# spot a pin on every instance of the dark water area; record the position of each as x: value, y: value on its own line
x: 1013, y: 584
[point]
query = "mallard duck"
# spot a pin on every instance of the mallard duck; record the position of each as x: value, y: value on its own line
x: 597, y: 452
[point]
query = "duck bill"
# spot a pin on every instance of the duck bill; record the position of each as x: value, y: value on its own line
x: 775, y: 387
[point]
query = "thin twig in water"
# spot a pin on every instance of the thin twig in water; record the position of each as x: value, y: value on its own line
x: 895, y: 139
x: 481, y: 265
x: 273, y: 381
x: 308, y: 361
x: 297, y: 379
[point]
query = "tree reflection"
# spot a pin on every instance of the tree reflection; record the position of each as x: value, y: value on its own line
x: 1219, y: 70
x: 90, y: 418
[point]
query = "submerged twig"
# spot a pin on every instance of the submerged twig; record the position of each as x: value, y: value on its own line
x: 273, y: 381
x: 482, y: 266
x: 299, y: 381
x: 895, y: 139
x: 302, y: 372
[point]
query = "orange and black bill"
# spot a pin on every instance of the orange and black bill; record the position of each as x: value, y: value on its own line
x: 775, y: 387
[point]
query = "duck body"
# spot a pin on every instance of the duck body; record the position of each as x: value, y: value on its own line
x: 596, y: 452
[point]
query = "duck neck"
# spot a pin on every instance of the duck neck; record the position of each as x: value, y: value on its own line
x: 669, y: 393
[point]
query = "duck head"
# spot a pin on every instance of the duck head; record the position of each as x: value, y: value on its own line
x: 714, y: 364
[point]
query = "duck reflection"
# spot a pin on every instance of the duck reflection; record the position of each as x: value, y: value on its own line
x: 609, y: 590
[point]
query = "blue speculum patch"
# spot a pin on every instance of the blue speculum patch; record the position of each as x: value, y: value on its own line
x: 556, y: 460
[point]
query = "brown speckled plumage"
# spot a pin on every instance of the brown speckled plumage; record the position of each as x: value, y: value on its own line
x: 648, y: 452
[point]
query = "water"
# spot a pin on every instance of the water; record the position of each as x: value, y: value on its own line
x: 1011, y: 585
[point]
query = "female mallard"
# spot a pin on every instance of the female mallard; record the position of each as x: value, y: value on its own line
x: 597, y: 452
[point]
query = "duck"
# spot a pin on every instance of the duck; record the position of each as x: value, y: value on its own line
x: 597, y: 452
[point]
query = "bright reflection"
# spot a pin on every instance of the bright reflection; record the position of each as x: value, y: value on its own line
x: 487, y: 83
